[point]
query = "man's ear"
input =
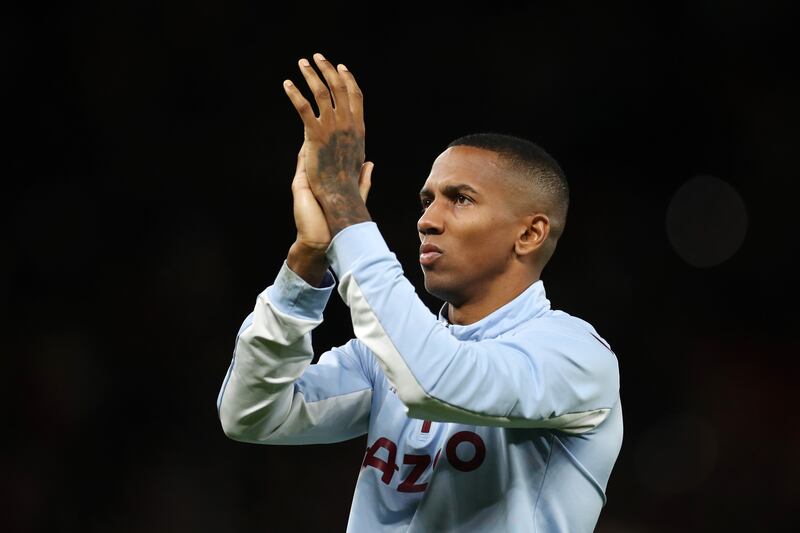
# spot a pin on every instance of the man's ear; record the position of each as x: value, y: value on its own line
x: 533, y: 234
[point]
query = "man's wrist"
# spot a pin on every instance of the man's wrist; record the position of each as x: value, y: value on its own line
x: 354, y: 245
x: 343, y: 209
x: 308, y: 263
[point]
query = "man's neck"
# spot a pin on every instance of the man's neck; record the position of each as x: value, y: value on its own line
x: 491, y: 299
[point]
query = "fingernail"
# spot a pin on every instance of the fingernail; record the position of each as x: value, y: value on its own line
x: 304, y: 62
x: 319, y: 56
x: 287, y: 83
x: 342, y: 67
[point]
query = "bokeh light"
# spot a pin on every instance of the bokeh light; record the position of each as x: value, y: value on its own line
x: 706, y: 221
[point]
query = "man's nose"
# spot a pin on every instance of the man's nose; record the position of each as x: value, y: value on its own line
x: 430, y: 223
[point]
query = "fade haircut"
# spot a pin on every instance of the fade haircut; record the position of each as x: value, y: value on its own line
x: 536, y: 180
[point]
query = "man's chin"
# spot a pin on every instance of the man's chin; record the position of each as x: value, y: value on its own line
x: 439, y: 290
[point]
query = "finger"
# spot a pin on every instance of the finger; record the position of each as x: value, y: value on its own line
x: 337, y: 85
x: 355, y: 96
x: 365, y: 179
x: 300, y: 103
x: 321, y: 93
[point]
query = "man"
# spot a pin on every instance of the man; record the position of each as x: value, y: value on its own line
x: 500, y: 414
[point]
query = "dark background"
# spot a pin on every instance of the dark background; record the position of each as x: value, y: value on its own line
x: 146, y: 203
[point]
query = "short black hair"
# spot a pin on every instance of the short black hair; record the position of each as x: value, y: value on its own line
x: 539, y: 177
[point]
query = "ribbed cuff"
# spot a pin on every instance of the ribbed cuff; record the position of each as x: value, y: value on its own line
x: 292, y: 295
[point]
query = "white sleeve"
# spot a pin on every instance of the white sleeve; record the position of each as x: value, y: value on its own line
x: 272, y: 394
x: 552, y: 374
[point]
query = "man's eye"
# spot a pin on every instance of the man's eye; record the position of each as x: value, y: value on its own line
x: 461, y: 199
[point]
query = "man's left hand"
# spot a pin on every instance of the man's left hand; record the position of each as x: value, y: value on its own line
x: 334, y: 141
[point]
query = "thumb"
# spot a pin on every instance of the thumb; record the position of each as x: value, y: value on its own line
x: 301, y: 163
x: 365, y: 179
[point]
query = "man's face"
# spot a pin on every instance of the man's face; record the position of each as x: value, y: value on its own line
x: 469, y: 216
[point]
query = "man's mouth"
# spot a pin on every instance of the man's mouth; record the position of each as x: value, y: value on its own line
x: 428, y: 253
x: 427, y: 258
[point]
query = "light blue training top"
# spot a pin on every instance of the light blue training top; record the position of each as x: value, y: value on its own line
x: 512, y: 423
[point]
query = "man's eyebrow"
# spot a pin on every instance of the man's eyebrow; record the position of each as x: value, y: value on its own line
x: 449, y: 190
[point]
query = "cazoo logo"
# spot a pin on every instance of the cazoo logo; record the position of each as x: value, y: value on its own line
x: 420, y: 463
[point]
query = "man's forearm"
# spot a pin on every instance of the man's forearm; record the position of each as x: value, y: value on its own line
x: 308, y: 264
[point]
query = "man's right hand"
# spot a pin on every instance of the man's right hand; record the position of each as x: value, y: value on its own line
x: 307, y: 254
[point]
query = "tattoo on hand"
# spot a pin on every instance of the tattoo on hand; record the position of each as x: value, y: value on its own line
x: 339, y: 166
x: 341, y: 158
